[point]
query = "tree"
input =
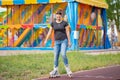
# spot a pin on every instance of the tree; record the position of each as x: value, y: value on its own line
x: 113, y: 12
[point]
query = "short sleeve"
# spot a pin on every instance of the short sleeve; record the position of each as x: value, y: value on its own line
x: 52, y: 24
x: 66, y: 24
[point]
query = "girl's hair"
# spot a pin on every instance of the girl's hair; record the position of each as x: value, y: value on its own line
x: 60, y: 12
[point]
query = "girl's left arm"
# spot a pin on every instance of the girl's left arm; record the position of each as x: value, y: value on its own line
x: 68, y: 34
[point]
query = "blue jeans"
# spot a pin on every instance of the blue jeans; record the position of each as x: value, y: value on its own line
x: 60, y: 46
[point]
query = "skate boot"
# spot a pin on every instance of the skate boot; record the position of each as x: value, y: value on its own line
x: 54, y: 73
x: 69, y: 73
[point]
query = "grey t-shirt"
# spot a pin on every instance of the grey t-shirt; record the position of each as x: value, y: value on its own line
x: 59, y: 30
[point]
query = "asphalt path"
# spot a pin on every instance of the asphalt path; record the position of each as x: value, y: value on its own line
x: 107, y: 73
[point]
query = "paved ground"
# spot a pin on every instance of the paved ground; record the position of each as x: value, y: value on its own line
x: 109, y: 73
x: 92, y: 52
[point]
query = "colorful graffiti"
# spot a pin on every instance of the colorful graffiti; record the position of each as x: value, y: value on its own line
x: 27, y: 24
x: 90, y: 26
x: 24, y: 36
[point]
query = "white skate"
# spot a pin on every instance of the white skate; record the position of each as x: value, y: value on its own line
x: 54, y: 74
x: 69, y: 73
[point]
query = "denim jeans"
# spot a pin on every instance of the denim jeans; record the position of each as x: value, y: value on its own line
x: 60, y: 47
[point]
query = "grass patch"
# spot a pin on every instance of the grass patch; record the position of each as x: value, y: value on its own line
x: 27, y: 67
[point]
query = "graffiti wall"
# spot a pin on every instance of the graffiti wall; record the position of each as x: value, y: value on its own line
x: 90, y: 26
x: 28, y: 25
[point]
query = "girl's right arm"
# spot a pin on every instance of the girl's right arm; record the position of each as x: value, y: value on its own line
x: 48, y: 35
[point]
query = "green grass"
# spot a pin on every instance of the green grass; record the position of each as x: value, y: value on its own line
x: 27, y: 67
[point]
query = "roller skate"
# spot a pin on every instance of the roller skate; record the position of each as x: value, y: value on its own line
x: 54, y: 73
x: 69, y: 73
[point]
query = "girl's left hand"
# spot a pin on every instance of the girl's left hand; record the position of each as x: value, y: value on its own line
x: 69, y: 43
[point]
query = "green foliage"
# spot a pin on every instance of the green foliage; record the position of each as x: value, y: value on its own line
x: 113, y: 12
x: 27, y: 67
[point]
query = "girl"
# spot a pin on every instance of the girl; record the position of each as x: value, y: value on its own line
x: 62, y: 41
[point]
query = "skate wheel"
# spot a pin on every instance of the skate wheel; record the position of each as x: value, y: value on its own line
x: 70, y: 75
x: 54, y: 76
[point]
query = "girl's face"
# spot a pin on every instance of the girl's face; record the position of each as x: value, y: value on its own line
x: 58, y: 17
